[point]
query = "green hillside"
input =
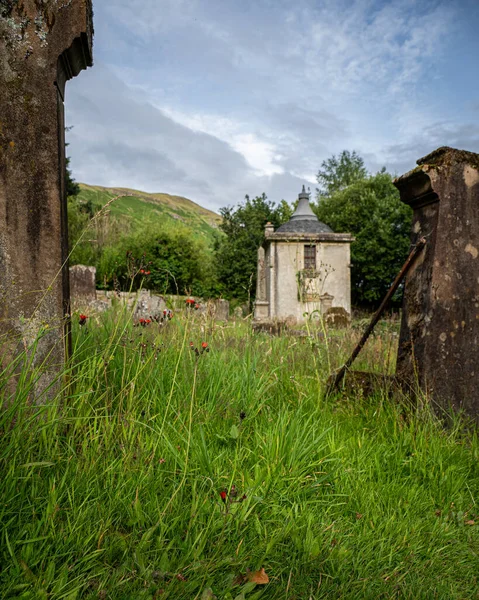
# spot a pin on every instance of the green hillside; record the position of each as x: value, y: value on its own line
x: 140, y: 207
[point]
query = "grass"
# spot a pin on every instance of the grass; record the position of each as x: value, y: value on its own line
x: 114, y: 492
x: 138, y: 208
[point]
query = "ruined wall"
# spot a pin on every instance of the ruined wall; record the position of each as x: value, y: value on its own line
x: 439, y: 339
x: 43, y: 43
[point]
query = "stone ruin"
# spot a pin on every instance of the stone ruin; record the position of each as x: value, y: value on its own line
x: 438, y: 354
x: 42, y: 46
x: 439, y: 337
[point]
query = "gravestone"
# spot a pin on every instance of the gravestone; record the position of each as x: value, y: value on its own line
x: 439, y: 338
x: 221, y: 309
x: 43, y: 44
x: 148, y: 305
x: 82, y: 284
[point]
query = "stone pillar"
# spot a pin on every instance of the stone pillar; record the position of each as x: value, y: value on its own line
x: 439, y: 339
x: 42, y: 45
x: 272, y: 280
x: 261, y: 305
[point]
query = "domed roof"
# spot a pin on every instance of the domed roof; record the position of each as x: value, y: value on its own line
x: 303, y: 219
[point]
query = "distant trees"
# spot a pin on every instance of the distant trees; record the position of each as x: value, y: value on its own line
x: 338, y: 172
x: 368, y: 206
x: 236, y: 251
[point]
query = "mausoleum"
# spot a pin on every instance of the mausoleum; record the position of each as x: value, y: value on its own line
x: 303, y: 268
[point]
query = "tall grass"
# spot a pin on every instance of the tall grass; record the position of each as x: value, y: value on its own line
x: 113, y: 490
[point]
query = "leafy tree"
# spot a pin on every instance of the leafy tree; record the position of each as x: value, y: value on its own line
x: 371, y: 210
x: 73, y: 189
x: 236, y: 251
x: 337, y: 173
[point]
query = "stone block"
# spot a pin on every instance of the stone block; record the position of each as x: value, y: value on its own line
x: 337, y: 317
x: 83, y: 283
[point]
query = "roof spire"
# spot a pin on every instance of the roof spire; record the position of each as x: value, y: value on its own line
x: 303, y: 210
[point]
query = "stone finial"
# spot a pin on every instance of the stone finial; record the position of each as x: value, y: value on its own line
x: 269, y: 229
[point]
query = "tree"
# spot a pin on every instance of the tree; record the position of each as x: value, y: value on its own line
x: 177, y: 263
x: 337, y: 173
x: 236, y: 251
x: 73, y: 189
x: 371, y: 210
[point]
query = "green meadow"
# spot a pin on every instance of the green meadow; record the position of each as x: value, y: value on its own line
x: 161, y: 468
x: 137, y: 208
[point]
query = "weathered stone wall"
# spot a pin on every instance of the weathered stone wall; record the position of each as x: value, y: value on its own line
x: 42, y: 45
x: 439, y: 339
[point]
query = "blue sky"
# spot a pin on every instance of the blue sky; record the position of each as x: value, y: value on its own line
x: 215, y: 99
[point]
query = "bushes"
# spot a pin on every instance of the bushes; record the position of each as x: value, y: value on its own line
x: 177, y: 263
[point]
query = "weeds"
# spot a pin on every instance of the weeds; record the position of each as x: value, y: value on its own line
x: 167, y: 470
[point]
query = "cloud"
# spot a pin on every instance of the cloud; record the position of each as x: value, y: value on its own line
x: 214, y: 100
x: 119, y: 140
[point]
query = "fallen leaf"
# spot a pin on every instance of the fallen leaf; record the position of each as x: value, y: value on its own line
x: 208, y: 594
x: 359, y: 516
x: 258, y: 577
x: 471, y: 522
x: 438, y: 513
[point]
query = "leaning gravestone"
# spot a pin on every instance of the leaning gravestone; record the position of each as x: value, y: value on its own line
x: 439, y: 338
x: 43, y: 44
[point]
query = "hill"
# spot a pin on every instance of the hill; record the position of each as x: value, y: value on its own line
x: 138, y: 207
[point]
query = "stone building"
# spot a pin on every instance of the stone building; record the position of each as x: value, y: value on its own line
x: 303, y: 267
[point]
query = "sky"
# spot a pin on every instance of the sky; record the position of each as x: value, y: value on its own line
x: 216, y: 99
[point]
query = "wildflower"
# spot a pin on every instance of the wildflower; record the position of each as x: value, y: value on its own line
x: 223, y: 496
x: 142, y: 271
x: 147, y: 272
x: 83, y: 319
x: 197, y: 306
x: 204, y: 345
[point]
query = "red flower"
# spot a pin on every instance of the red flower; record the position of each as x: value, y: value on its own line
x: 147, y: 272
x: 83, y: 319
x: 204, y: 345
x: 223, y: 496
x: 142, y: 271
x: 191, y: 344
